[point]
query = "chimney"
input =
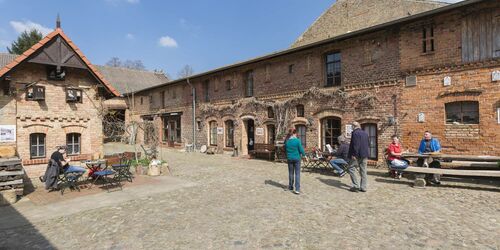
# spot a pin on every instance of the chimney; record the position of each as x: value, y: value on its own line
x: 58, y: 22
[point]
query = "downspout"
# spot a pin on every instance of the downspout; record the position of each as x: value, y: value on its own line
x: 194, y: 112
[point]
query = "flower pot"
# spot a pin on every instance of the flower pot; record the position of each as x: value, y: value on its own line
x: 154, y: 170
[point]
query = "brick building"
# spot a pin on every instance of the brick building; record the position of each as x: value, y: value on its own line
x: 388, y: 77
x: 52, y: 95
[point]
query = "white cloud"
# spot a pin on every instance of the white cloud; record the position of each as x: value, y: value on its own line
x: 130, y: 36
x: 133, y: 1
x: 21, y: 26
x: 166, y: 41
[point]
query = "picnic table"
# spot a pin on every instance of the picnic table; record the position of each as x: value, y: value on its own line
x: 94, y: 166
x: 429, y: 157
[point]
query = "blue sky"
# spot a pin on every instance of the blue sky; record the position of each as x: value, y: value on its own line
x: 167, y: 34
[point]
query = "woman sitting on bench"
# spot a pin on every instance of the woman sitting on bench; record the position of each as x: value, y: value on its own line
x: 394, y: 152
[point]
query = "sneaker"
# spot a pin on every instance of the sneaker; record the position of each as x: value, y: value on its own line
x: 354, y: 189
x: 296, y: 192
x: 342, y: 174
x: 363, y: 190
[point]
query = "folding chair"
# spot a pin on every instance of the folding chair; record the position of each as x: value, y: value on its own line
x: 69, y: 180
x: 123, y: 170
x: 108, y: 176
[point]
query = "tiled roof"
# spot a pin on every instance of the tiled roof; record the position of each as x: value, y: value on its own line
x: 131, y: 80
x: 19, y: 59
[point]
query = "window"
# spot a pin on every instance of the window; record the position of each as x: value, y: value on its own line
x: 205, y: 90
x: 371, y: 130
x: 300, y: 110
x: 174, y: 93
x: 74, y: 95
x: 228, y: 85
x: 333, y: 70
x: 466, y: 112
x: 290, y: 68
x: 198, y: 125
x: 35, y: 93
x: 330, y: 131
x: 428, y: 39
x: 249, y: 84
x: 57, y: 73
x: 172, y: 129
x: 162, y: 98
x: 142, y: 101
x: 229, y: 133
x: 301, y: 134
x: 73, y: 143
x: 6, y: 87
x: 165, y: 129
x: 37, y: 145
x: 213, y: 133
x: 270, y: 112
x: 271, y: 134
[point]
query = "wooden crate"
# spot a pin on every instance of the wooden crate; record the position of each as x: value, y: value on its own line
x: 11, y: 174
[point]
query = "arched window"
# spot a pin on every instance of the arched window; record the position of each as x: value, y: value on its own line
x: 330, y: 131
x: 301, y: 134
x: 229, y: 133
x: 271, y: 134
x: 300, y: 110
x: 371, y: 130
x: 270, y: 112
x: 73, y: 142
x: 37, y: 145
x: 213, y: 133
x: 249, y: 83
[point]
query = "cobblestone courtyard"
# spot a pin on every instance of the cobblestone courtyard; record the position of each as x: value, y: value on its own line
x: 241, y: 204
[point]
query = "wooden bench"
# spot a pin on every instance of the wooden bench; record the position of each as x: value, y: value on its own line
x: 263, y: 149
x: 453, y: 161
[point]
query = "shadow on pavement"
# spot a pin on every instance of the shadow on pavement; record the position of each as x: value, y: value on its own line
x: 276, y: 184
x: 16, y: 232
x: 334, y: 183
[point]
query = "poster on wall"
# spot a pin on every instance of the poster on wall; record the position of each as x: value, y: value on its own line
x: 259, y: 131
x: 348, y: 130
x: 7, y: 133
x: 220, y: 131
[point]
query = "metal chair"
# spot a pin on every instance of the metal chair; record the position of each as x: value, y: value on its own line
x: 123, y: 170
x: 69, y: 180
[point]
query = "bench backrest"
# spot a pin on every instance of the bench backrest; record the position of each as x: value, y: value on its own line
x: 263, y: 147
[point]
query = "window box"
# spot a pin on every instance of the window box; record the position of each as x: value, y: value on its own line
x: 74, y: 95
x: 35, y: 93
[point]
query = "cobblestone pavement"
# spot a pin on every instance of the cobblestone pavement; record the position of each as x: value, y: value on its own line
x: 241, y: 204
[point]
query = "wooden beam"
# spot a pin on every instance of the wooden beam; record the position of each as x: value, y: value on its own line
x: 11, y: 182
x: 7, y: 173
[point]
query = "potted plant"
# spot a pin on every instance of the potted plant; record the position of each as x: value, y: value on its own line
x: 141, y: 166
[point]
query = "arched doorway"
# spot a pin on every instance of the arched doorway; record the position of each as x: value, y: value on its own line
x: 330, y: 131
x: 247, y: 135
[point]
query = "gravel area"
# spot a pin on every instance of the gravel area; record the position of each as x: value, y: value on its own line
x: 241, y: 204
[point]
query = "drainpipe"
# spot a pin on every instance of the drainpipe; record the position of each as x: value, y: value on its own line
x: 194, y: 112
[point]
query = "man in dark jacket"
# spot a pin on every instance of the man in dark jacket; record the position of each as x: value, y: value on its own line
x: 341, y: 156
x: 358, y: 154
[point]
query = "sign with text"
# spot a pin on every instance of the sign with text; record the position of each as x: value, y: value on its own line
x: 220, y: 131
x: 7, y: 133
x: 259, y: 131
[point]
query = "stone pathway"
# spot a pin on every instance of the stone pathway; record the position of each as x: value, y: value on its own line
x: 241, y: 204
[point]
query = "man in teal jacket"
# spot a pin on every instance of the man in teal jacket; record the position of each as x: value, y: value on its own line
x: 294, y: 150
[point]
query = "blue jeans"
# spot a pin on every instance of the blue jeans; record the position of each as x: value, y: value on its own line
x: 335, y: 164
x: 294, y: 171
x: 73, y: 169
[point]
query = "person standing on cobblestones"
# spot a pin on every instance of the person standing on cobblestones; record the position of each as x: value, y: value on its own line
x: 294, y: 151
x: 358, y: 155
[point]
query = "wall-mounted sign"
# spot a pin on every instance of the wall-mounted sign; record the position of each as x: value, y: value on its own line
x: 348, y: 130
x: 495, y: 76
x: 220, y: 131
x: 259, y: 131
x: 421, y: 117
x: 7, y: 133
x: 447, y: 81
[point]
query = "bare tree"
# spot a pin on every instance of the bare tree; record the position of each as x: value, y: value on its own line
x: 186, y: 71
x: 134, y: 64
x: 114, y: 62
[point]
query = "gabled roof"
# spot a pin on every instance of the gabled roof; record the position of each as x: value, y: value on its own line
x: 58, y: 32
x: 131, y: 80
x: 6, y: 58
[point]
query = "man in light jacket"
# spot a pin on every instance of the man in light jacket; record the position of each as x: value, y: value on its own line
x: 358, y: 155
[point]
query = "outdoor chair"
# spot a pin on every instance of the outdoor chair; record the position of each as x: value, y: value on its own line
x: 69, y: 180
x: 109, y: 178
x: 123, y: 170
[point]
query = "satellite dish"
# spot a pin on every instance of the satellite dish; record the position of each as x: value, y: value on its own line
x: 203, y: 149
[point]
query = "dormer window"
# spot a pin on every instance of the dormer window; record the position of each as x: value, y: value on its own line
x: 35, y: 93
x: 56, y: 73
x: 74, y: 95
